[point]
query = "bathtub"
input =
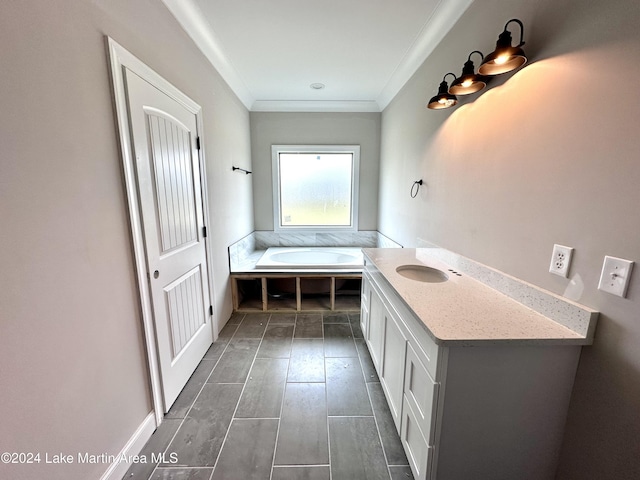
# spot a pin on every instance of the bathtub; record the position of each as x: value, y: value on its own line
x: 312, y: 258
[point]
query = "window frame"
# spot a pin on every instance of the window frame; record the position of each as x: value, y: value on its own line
x: 276, y: 150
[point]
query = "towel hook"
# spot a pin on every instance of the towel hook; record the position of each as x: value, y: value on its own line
x: 416, y: 187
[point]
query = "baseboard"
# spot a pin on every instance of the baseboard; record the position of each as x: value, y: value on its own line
x: 133, y: 447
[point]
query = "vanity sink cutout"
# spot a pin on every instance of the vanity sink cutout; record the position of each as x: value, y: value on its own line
x: 422, y: 273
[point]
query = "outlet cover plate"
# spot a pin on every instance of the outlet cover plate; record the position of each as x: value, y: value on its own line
x: 560, y: 260
x: 615, y: 276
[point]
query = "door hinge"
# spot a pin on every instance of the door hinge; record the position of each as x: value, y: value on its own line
x: 204, y: 232
x: 211, y: 310
x: 198, y: 143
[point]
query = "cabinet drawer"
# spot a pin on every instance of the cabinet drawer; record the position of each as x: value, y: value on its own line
x: 421, y: 392
x: 428, y: 347
x: 419, y: 453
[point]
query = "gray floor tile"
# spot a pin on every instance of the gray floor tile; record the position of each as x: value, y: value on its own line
x: 199, y: 439
x: 335, y: 318
x: 227, y: 331
x: 216, y: 349
x: 338, y: 341
x: 236, y: 318
x: 388, y: 433
x: 234, y: 365
x: 368, y: 369
x: 248, y: 451
x: 182, y: 474
x: 252, y: 326
x: 282, y: 319
x: 307, y: 360
x: 184, y: 401
x: 301, y: 473
x: 308, y: 325
x: 276, y: 342
x: 256, y: 318
x: 356, y: 452
x: 303, y: 436
x: 346, y: 390
x: 357, y: 331
x: 251, y: 354
x: 157, y: 444
x: 262, y: 396
x: 401, y: 473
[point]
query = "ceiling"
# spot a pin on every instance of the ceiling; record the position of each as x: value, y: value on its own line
x: 362, y: 51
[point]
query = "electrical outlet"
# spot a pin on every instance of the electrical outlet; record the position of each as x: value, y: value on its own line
x: 560, y: 260
x: 615, y: 276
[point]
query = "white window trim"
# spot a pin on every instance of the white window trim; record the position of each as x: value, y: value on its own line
x: 355, y: 181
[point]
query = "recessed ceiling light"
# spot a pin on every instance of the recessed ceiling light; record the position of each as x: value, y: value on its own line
x: 317, y: 86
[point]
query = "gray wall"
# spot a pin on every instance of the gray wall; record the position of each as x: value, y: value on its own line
x: 550, y: 154
x: 73, y: 371
x: 315, y: 129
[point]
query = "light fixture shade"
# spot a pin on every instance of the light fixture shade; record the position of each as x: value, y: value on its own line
x: 505, y: 57
x: 443, y: 99
x: 468, y: 82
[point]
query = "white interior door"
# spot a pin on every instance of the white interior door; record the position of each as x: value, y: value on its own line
x: 164, y: 136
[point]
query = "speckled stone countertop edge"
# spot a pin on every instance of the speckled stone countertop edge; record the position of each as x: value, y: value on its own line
x: 579, y: 318
x: 547, y: 302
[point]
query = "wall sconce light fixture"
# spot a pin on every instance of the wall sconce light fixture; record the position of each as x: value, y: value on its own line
x: 443, y: 99
x: 505, y: 57
x: 468, y: 82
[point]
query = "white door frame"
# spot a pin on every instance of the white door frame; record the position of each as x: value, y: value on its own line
x: 120, y: 58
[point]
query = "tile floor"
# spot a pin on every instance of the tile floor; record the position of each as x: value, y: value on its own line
x: 281, y: 397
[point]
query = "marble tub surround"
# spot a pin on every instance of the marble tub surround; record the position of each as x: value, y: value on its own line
x: 244, y: 254
x: 265, y: 239
x: 465, y: 310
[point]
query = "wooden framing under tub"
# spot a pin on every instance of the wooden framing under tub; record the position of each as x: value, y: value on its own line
x: 295, y: 292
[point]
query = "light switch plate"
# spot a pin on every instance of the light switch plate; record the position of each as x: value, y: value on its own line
x: 615, y: 276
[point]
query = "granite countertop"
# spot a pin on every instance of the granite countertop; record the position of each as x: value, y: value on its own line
x: 465, y: 311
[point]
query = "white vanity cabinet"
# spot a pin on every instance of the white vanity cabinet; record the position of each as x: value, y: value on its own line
x: 387, y: 343
x: 467, y: 411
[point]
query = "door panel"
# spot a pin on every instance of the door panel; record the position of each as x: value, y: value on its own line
x: 184, y: 318
x: 173, y: 181
x: 169, y: 189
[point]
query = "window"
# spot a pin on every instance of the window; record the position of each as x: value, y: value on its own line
x: 315, y: 187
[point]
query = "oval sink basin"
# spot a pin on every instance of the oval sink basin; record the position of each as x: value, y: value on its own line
x: 422, y: 273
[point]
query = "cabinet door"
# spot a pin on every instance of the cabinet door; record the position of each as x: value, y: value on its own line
x: 419, y: 453
x: 365, y: 305
x: 393, y: 361
x: 375, y: 334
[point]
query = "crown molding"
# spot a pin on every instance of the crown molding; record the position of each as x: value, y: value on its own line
x: 314, y: 106
x: 434, y: 30
x: 192, y: 20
